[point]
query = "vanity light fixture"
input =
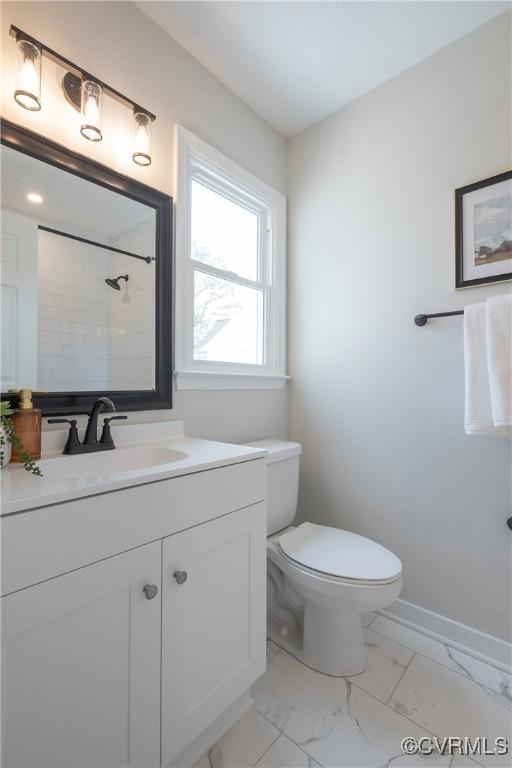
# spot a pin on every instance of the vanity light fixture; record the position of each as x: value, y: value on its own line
x: 81, y: 89
x: 28, y: 75
x: 90, y: 127
x: 34, y: 197
x: 142, y: 147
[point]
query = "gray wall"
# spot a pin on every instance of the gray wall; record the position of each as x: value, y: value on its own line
x: 376, y: 402
x: 114, y: 40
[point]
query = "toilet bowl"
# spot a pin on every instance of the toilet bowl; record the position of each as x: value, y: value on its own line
x: 319, y: 579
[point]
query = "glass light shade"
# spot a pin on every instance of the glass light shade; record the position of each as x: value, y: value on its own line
x: 142, y: 143
x: 28, y: 76
x: 92, y: 94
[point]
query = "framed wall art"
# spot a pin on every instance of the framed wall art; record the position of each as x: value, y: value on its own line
x: 483, y: 231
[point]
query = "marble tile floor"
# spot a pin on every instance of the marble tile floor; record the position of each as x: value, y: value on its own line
x: 413, y: 686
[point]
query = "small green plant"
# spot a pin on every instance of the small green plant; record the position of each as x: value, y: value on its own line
x: 10, y: 435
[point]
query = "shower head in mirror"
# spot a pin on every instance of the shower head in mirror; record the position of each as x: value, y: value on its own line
x: 113, y: 282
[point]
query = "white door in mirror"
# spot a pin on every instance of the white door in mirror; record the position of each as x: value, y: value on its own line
x: 19, y: 301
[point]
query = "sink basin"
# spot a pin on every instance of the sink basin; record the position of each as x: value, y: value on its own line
x: 103, y: 463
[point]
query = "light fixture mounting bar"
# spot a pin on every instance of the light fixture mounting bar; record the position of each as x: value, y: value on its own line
x: 19, y: 34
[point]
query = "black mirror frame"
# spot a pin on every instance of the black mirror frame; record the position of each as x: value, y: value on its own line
x: 58, y: 403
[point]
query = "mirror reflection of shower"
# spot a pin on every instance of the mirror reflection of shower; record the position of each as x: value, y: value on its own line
x: 113, y: 282
x: 81, y: 238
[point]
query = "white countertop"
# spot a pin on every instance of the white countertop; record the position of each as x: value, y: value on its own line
x: 144, y: 453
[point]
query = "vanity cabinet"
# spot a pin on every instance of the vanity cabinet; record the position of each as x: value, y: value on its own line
x: 213, y: 621
x: 81, y: 667
x: 124, y: 661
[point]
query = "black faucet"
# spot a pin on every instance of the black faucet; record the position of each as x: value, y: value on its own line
x: 91, y: 432
x: 91, y: 442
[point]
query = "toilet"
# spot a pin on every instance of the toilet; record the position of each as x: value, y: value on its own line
x: 319, y: 579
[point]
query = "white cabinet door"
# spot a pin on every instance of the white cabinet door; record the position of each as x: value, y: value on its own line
x: 81, y: 667
x: 213, y: 624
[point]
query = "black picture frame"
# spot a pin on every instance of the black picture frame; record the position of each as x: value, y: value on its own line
x: 67, y: 403
x: 460, y: 281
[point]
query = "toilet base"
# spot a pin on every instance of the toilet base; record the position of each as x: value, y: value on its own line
x: 330, y: 643
x: 317, y: 617
x: 333, y: 641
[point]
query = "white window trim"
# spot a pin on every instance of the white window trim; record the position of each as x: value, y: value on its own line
x: 193, y: 155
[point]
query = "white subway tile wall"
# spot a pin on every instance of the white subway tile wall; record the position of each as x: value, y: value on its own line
x: 91, y: 337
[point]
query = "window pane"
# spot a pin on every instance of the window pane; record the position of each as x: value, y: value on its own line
x: 228, y: 321
x: 224, y: 234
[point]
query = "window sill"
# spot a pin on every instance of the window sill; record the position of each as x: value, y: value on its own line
x: 207, y: 380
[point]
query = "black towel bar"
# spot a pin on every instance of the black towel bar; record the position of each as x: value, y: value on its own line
x: 422, y: 319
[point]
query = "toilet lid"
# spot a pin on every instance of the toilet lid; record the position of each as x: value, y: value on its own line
x: 339, y: 553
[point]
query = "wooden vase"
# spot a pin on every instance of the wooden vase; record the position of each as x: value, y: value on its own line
x: 27, y: 427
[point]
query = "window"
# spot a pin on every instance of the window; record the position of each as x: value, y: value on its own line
x: 230, y: 273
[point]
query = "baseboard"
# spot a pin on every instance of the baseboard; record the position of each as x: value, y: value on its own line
x: 205, y: 741
x: 466, y: 639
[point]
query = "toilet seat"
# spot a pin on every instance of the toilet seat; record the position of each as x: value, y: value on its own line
x: 327, y: 587
x: 341, y: 555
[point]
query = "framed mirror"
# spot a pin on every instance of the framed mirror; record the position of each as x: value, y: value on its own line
x: 86, y: 279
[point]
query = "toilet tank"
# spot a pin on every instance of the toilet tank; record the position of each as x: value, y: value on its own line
x: 282, y: 481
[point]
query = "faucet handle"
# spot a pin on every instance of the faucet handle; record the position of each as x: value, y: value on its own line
x: 71, y: 422
x: 106, y: 435
x: 73, y: 442
x: 113, y: 418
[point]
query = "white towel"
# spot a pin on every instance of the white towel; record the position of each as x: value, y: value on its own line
x: 483, y: 365
x: 478, y: 414
x: 499, y: 358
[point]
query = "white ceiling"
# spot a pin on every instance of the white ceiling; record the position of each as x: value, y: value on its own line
x: 297, y: 62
